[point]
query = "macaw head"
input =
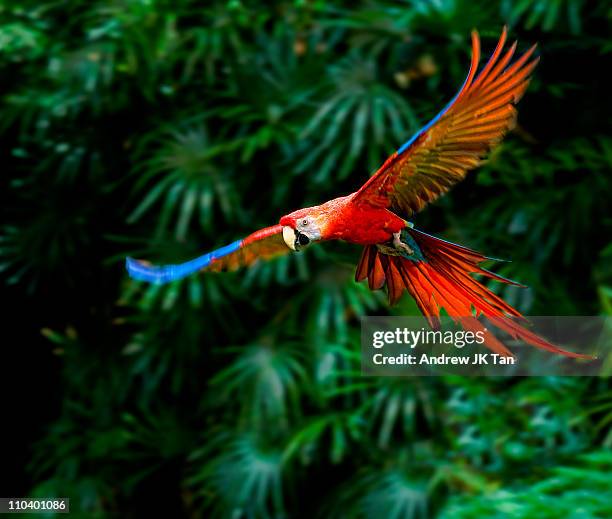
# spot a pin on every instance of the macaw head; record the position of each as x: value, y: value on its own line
x: 302, y: 227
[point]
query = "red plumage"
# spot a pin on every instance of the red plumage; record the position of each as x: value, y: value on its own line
x: 444, y: 280
x: 438, y: 274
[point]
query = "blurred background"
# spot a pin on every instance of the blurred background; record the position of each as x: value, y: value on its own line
x: 163, y: 130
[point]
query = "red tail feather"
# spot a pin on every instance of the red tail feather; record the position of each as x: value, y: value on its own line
x: 444, y: 280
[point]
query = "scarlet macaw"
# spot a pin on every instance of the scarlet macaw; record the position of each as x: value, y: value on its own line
x: 436, y: 273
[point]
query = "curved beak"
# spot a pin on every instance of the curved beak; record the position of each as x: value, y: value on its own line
x: 289, y: 235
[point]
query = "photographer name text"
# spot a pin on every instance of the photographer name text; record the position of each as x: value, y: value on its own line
x: 409, y: 359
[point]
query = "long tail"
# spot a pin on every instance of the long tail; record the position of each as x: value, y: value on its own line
x: 439, y: 275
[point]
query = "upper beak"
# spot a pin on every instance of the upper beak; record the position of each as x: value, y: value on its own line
x: 289, y: 236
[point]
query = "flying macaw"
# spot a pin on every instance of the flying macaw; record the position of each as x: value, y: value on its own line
x: 436, y: 273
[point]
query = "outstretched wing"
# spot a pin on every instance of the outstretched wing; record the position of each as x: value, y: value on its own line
x: 263, y: 244
x: 457, y: 139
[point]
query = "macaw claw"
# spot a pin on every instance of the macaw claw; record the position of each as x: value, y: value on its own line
x: 400, y: 245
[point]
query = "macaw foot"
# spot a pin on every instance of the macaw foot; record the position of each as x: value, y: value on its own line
x: 400, y: 245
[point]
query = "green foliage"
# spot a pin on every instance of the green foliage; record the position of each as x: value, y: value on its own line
x: 547, y: 14
x: 163, y: 130
x: 578, y: 490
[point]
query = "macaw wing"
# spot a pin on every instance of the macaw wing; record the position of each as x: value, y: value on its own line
x: 263, y: 244
x: 457, y: 139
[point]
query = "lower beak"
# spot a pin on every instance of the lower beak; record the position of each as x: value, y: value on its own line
x: 289, y: 237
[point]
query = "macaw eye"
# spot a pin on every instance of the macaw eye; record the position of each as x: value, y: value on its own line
x: 305, y: 223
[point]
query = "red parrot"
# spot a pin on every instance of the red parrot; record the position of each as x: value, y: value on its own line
x: 436, y: 273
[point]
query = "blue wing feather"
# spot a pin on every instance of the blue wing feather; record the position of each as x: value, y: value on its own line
x: 468, y: 79
x: 160, y: 275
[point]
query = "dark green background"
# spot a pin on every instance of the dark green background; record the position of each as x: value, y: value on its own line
x: 165, y: 129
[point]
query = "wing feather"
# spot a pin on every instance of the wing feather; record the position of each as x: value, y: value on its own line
x: 263, y: 244
x: 458, y: 138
